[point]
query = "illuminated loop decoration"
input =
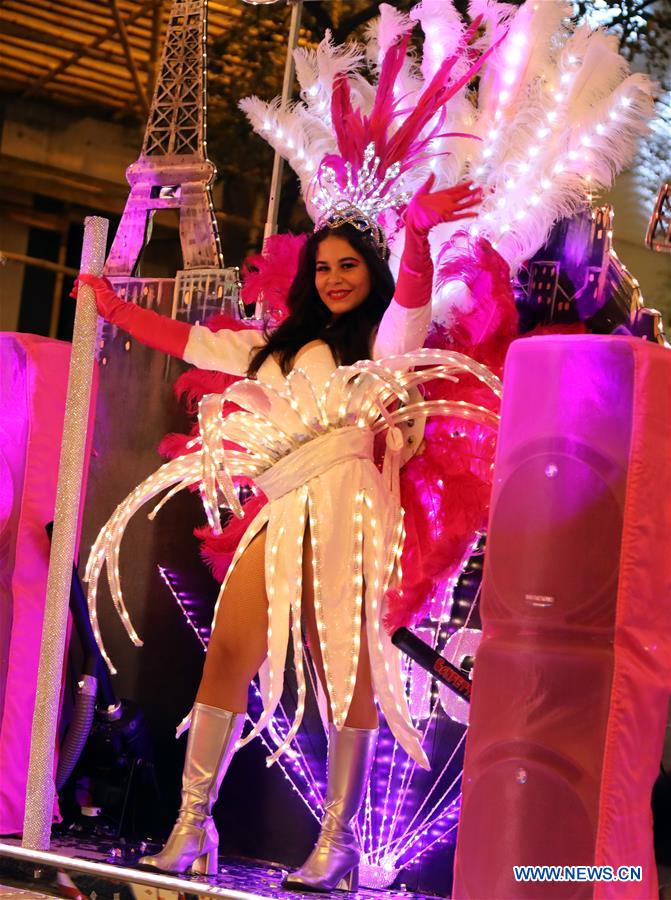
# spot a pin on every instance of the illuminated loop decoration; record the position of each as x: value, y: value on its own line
x: 280, y: 434
x: 367, y: 398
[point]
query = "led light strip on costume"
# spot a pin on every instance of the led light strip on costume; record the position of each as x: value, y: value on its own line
x: 295, y: 765
x: 395, y: 839
x: 343, y: 412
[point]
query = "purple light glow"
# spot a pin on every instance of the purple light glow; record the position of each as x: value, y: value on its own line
x: 407, y: 812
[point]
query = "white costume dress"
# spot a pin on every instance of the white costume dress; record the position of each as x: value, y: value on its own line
x: 307, y: 442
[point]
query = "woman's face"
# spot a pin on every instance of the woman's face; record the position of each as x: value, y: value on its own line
x: 342, y: 276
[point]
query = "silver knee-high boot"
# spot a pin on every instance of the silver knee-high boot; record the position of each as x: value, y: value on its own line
x: 334, y: 861
x: 194, y: 841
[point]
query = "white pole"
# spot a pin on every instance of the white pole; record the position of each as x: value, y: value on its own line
x: 287, y: 92
x: 278, y: 162
x: 40, y: 789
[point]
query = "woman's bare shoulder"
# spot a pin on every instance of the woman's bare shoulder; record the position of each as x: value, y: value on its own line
x: 306, y: 348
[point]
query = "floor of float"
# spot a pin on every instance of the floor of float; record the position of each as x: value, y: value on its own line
x: 36, y: 877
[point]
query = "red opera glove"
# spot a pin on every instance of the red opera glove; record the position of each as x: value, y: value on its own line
x: 148, y: 327
x: 425, y: 211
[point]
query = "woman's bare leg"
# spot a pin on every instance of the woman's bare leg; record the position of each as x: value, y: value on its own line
x: 237, y: 649
x: 239, y: 642
x: 362, y: 712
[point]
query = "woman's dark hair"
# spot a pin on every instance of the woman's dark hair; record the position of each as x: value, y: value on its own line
x: 309, y: 319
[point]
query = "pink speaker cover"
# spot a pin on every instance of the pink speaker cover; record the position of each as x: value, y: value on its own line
x: 642, y: 677
x: 34, y: 375
x: 573, y: 675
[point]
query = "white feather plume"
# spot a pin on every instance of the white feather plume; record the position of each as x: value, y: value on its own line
x: 591, y: 66
x: 326, y: 62
x: 532, y: 36
x: 384, y: 31
x: 607, y: 145
x: 557, y: 111
x: 443, y: 29
x: 569, y: 124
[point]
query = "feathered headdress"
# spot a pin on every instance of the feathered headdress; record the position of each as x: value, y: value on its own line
x: 361, y: 153
x: 556, y: 112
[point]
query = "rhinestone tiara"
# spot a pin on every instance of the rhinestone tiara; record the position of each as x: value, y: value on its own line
x: 358, y: 198
x: 344, y: 214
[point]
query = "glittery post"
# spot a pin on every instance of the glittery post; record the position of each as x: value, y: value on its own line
x: 40, y: 788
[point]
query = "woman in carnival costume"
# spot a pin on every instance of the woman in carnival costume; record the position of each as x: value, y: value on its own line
x: 329, y: 526
x: 323, y: 553
x: 325, y: 548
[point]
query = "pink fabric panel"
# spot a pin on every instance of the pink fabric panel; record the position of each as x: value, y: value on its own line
x: 34, y: 373
x: 642, y: 674
x: 570, y: 695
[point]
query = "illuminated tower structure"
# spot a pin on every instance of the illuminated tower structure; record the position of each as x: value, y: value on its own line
x: 136, y: 406
x: 174, y: 172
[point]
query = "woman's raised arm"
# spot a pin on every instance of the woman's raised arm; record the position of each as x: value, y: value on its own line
x: 406, y: 321
x: 221, y: 351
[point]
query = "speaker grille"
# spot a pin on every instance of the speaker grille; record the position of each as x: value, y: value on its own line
x: 555, y: 534
x: 522, y: 811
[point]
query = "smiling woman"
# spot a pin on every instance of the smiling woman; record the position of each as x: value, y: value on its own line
x: 310, y: 554
x: 342, y: 276
x: 324, y: 551
x: 341, y: 291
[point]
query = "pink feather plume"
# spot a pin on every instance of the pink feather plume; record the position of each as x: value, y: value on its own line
x: 483, y: 332
x: 445, y: 488
x: 270, y: 274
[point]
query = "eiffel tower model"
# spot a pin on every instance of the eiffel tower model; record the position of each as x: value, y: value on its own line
x: 136, y: 406
x: 173, y: 172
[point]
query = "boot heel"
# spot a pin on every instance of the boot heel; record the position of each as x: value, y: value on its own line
x: 207, y: 864
x: 350, y: 882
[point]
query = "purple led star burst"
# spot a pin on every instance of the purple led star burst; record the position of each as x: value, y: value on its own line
x: 407, y: 813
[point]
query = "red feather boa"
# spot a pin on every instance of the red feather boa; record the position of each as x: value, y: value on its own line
x: 445, y: 487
